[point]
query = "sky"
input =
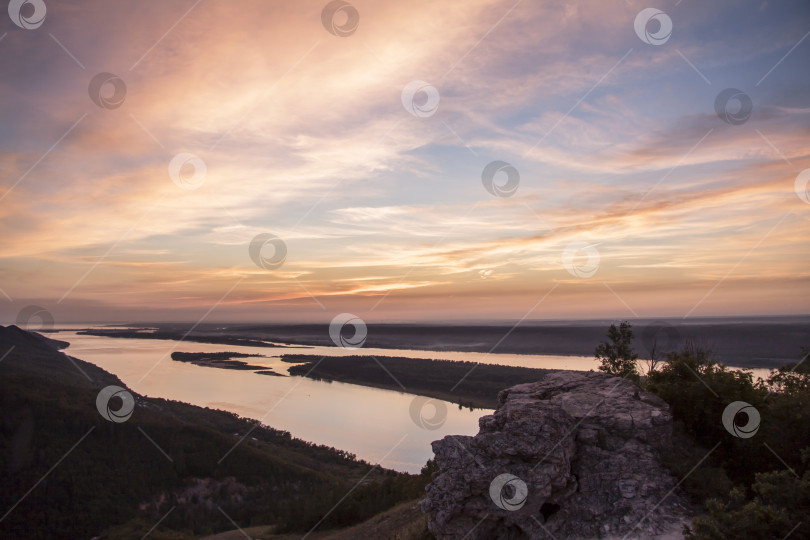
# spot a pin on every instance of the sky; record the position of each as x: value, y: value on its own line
x: 482, y: 160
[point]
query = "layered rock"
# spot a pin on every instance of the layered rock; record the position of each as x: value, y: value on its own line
x: 576, y: 455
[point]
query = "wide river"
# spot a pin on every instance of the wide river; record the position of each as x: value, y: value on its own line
x: 376, y: 425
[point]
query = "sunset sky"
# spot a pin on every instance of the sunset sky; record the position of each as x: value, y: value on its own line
x: 306, y: 135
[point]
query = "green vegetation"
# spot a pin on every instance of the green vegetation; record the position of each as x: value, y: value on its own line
x: 779, y: 507
x: 752, y: 487
x: 792, y: 378
x: 478, y: 384
x: 616, y: 355
x: 116, y: 483
x: 769, y: 471
x: 402, y: 522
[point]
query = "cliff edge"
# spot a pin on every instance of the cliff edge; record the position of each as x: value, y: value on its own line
x: 576, y: 455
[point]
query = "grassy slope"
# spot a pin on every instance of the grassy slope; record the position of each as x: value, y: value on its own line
x: 402, y: 522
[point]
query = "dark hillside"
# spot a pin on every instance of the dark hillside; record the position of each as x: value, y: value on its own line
x: 75, y: 474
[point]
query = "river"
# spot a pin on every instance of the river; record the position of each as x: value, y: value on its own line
x: 377, y: 425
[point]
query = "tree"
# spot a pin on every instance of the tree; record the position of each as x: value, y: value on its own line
x: 616, y: 355
x: 792, y: 378
x: 655, y: 356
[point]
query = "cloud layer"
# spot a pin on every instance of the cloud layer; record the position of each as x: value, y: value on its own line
x: 305, y: 135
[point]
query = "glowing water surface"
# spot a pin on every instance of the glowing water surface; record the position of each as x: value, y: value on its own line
x: 374, y: 424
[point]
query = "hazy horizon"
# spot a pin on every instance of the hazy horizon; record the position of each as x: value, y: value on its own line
x: 324, y: 321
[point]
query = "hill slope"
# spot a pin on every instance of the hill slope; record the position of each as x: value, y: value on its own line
x: 402, y: 522
x: 69, y: 472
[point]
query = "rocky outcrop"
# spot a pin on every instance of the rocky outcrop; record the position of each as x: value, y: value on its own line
x: 575, y: 455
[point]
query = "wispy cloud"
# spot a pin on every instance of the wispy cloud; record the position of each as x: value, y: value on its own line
x: 304, y: 135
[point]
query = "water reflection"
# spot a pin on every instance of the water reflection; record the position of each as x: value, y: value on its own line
x: 369, y: 422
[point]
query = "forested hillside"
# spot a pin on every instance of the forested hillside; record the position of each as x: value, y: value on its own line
x: 69, y: 472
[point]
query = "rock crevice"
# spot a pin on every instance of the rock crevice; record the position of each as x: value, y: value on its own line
x: 575, y: 455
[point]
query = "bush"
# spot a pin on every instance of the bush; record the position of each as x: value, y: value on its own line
x: 769, y: 469
x: 779, y: 508
x: 792, y: 378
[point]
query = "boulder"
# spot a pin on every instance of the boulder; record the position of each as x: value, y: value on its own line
x: 576, y: 455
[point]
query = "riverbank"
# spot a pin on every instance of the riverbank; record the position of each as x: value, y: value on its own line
x: 768, y: 342
x: 465, y: 383
x: 330, y: 413
x: 160, y: 471
x: 221, y: 360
